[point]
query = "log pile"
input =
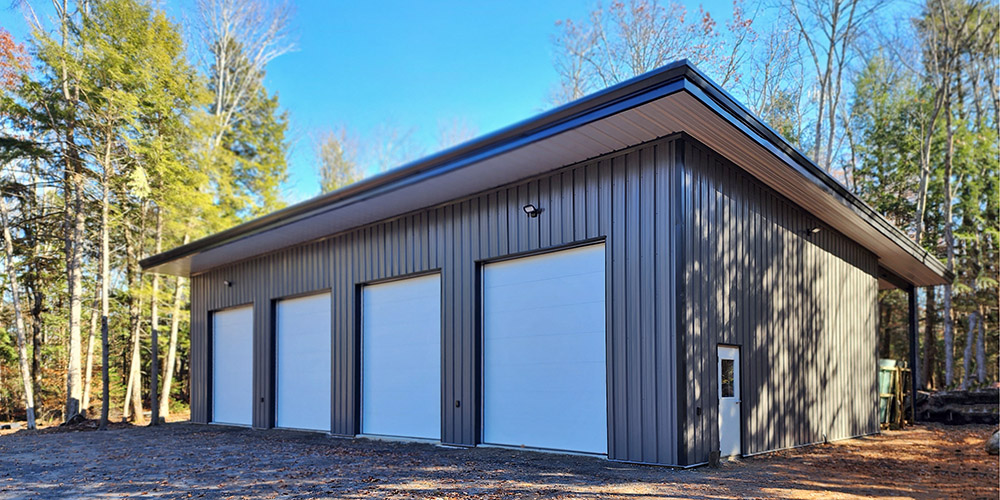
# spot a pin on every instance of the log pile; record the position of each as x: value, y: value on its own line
x: 980, y: 406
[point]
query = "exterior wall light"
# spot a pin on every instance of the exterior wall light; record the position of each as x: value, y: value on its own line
x: 227, y: 283
x: 532, y: 210
x: 811, y: 231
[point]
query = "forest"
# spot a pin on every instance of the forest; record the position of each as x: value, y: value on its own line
x: 126, y: 133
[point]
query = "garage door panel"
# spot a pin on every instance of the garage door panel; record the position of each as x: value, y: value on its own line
x: 549, y: 320
x: 529, y: 350
x: 523, y: 379
x: 302, y: 352
x: 573, y: 263
x: 536, y: 294
x: 232, y: 366
x: 401, y: 358
x: 544, y: 373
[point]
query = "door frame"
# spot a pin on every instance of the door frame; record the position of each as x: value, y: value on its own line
x: 739, y: 387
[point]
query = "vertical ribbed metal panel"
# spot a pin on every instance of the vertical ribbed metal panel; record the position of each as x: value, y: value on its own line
x: 800, y: 307
x: 625, y: 198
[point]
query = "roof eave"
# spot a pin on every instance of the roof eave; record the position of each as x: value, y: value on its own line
x: 693, y: 81
x: 667, y: 74
x: 814, y: 173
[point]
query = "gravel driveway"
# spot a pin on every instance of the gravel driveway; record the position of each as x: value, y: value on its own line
x: 196, y: 461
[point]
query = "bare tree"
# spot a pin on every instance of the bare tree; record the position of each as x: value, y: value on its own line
x: 828, y: 28
x: 773, y: 84
x: 22, y: 350
x: 337, y: 159
x: 454, y: 131
x: 632, y: 37
x: 575, y: 43
x: 393, y: 146
x: 242, y: 37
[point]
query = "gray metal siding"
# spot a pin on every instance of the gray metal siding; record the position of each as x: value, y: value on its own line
x: 624, y: 198
x: 802, y: 309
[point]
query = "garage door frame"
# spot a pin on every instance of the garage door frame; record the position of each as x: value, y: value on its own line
x: 273, y: 361
x: 359, y: 352
x: 210, y: 357
x: 480, y: 319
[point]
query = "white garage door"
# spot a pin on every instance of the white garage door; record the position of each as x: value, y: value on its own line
x: 302, y: 387
x: 401, y: 358
x: 544, y: 351
x: 232, y: 366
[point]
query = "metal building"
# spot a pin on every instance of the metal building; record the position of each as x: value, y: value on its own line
x: 649, y: 273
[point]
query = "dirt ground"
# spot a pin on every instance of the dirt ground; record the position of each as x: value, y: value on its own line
x: 181, y: 460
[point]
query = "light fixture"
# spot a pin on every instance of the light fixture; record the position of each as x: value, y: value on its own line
x: 532, y: 210
x: 811, y: 231
x: 227, y: 283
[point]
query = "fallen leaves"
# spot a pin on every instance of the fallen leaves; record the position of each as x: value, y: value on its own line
x: 193, y: 461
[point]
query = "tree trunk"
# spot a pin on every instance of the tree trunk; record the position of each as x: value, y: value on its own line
x: 981, y: 349
x: 949, y: 243
x: 105, y: 285
x: 168, y: 368
x: 22, y: 349
x: 74, y: 271
x: 36, y: 341
x: 926, y: 139
x: 74, y: 220
x: 133, y: 391
x: 154, y: 369
x: 930, y: 340
x: 88, y: 374
x: 967, y: 355
x: 34, y: 285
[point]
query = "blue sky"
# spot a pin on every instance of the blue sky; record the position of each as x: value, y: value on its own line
x: 412, y: 64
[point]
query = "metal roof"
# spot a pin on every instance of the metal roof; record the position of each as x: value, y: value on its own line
x: 674, y: 98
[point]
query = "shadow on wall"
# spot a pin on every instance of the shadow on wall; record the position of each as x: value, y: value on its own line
x: 800, y: 304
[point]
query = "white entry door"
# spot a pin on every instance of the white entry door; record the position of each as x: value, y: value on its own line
x: 232, y: 366
x: 302, y: 363
x: 544, y: 349
x: 401, y: 358
x: 729, y: 401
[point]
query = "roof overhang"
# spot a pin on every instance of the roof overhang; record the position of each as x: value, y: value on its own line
x: 672, y: 99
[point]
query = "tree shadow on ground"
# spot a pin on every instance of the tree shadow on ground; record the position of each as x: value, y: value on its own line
x: 178, y: 460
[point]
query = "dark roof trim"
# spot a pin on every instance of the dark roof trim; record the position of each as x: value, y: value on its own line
x: 570, y: 115
x: 720, y: 100
x: 669, y: 79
